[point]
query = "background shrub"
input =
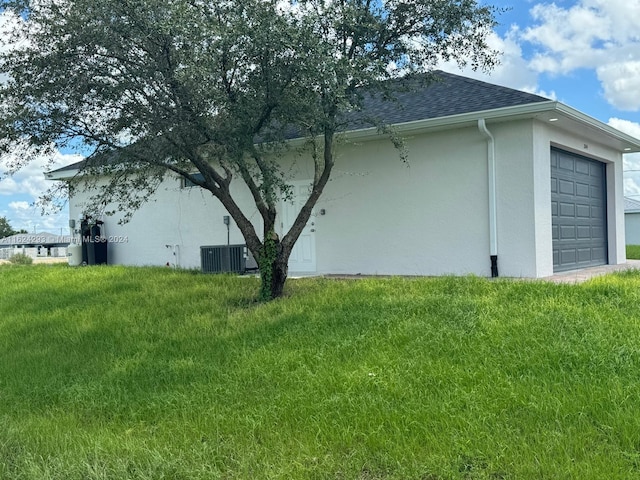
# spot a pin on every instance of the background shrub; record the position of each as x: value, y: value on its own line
x: 21, y: 259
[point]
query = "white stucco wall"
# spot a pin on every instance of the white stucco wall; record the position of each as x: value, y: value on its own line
x: 632, y: 228
x: 176, y: 220
x: 516, y: 198
x: 426, y: 217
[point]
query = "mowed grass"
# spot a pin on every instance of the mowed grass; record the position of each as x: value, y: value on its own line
x: 151, y: 373
x: 633, y: 252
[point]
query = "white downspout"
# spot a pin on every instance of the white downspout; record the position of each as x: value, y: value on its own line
x: 493, y: 227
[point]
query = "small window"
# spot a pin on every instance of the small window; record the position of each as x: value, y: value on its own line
x: 186, y: 183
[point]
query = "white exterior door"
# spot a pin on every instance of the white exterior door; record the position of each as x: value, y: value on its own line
x: 303, y: 255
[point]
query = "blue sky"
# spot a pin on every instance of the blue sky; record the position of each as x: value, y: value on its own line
x: 584, y: 53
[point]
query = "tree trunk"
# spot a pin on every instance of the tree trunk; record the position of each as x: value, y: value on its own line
x: 275, y: 286
x: 274, y: 269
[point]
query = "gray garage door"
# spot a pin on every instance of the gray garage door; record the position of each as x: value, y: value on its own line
x: 578, y: 209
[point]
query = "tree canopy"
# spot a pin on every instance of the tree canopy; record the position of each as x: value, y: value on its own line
x: 151, y: 87
x: 6, y: 230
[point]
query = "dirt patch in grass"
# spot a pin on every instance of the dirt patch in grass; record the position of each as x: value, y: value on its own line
x: 50, y: 260
x: 41, y: 260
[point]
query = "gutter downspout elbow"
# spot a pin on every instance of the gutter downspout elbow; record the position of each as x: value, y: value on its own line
x: 491, y: 164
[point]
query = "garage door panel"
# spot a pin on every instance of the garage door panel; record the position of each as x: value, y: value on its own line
x: 584, y: 255
x: 566, y: 164
x: 597, y: 212
x: 596, y: 170
x: 567, y: 209
x: 595, y: 192
x: 579, y: 257
x: 597, y: 233
x: 567, y: 232
x: 599, y: 254
x: 566, y: 187
x: 582, y: 211
x: 578, y: 210
x: 582, y: 190
x: 583, y: 167
x: 568, y: 256
x: 584, y: 232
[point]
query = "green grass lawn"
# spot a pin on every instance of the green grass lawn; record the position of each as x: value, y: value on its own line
x: 633, y: 252
x: 141, y: 373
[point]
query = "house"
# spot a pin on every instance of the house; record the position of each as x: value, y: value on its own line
x: 35, y: 245
x: 632, y: 221
x: 497, y: 182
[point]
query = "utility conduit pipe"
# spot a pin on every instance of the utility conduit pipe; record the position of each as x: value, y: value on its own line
x: 493, y: 228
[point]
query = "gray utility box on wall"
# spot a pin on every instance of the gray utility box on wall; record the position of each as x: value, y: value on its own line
x: 223, y: 258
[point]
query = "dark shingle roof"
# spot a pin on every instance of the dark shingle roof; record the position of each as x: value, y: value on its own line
x: 73, y: 166
x: 449, y: 94
x: 415, y: 99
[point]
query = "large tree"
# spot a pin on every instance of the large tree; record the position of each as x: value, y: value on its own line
x: 5, y: 228
x: 151, y: 87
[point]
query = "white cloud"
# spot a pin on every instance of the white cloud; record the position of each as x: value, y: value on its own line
x: 552, y: 95
x: 19, y: 206
x: 8, y: 186
x: 11, y: 36
x: 601, y: 35
x: 621, y: 83
x: 631, y: 185
x: 593, y: 34
x: 23, y: 215
x: 567, y: 35
x: 631, y: 165
x: 30, y: 182
x: 626, y: 126
x: 30, y: 178
x: 512, y: 71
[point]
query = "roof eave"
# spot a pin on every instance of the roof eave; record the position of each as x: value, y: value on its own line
x: 439, y: 123
x: 442, y: 123
x: 63, y: 175
x: 539, y: 110
x: 630, y: 144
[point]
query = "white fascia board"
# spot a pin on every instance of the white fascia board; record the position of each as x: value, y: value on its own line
x: 64, y: 175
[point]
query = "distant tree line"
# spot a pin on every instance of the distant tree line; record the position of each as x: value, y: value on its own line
x: 6, y: 230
